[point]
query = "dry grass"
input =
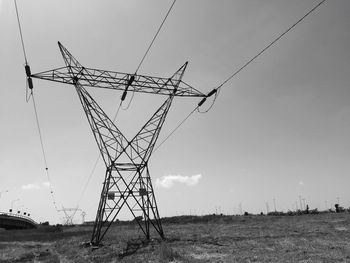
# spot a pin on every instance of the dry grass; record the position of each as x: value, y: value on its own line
x: 307, y: 238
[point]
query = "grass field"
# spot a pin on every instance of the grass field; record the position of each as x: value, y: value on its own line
x: 305, y: 238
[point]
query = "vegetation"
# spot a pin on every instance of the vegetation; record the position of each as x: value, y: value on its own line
x: 322, y: 237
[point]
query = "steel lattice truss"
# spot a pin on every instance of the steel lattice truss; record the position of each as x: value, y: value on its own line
x: 127, y: 179
x: 69, y: 214
x: 97, y: 78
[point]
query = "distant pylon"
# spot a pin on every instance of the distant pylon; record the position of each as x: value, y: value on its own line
x: 83, y: 214
x: 69, y: 214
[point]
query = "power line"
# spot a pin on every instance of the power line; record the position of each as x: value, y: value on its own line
x: 217, y: 90
x: 269, y: 45
x: 89, y: 178
x: 155, y: 36
x: 21, y: 35
x: 96, y: 162
x: 176, y: 128
x: 121, y: 102
x: 147, y: 51
x: 43, y: 153
x: 143, y: 58
x: 29, y: 85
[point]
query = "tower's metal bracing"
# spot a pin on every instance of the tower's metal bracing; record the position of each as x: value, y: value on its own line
x: 69, y: 214
x: 127, y: 180
x: 89, y: 77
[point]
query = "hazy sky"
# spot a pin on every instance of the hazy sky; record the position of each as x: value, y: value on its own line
x: 279, y: 129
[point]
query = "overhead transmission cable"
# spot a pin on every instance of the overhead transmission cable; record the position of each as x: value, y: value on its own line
x: 96, y: 162
x: 29, y: 83
x: 144, y: 56
x: 30, y: 86
x: 155, y: 36
x: 125, y: 92
x: 217, y: 90
x: 44, y: 154
x: 175, y: 129
x: 269, y: 45
x: 21, y: 35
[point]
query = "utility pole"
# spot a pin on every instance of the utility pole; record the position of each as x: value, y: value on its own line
x: 274, y: 204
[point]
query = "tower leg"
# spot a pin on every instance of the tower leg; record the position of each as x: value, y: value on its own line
x: 128, y: 185
x: 151, y: 207
x: 95, y: 238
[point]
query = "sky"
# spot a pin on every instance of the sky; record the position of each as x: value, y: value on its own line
x: 279, y: 130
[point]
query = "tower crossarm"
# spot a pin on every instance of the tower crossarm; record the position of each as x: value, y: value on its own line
x: 97, y: 78
x: 90, y: 77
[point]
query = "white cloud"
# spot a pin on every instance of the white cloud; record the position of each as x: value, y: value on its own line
x: 169, y: 180
x: 46, y: 184
x: 35, y: 186
x: 301, y: 183
x: 30, y: 186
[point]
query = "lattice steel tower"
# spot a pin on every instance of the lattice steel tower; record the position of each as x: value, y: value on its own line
x: 127, y: 179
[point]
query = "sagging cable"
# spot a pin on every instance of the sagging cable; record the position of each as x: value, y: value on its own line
x: 258, y: 55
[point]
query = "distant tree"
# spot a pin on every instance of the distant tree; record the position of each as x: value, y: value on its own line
x: 314, y: 211
x: 339, y: 209
x: 138, y: 218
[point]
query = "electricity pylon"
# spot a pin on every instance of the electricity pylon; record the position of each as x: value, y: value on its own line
x: 83, y: 214
x: 69, y: 214
x: 127, y: 179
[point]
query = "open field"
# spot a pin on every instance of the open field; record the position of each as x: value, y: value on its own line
x: 306, y: 238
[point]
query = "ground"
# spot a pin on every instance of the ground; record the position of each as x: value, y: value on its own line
x: 303, y: 238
